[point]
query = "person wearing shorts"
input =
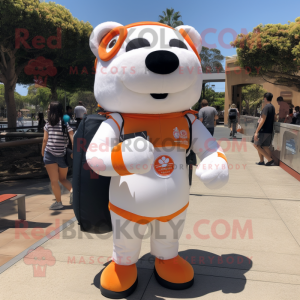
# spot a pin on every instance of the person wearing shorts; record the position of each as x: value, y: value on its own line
x: 54, y: 149
x: 264, y: 132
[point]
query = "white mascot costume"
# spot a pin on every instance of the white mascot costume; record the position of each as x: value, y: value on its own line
x: 148, y: 75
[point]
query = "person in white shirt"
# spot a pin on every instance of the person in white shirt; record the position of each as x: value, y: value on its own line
x: 79, y: 112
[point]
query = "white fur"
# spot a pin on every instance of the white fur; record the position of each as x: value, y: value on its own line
x: 128, y: 90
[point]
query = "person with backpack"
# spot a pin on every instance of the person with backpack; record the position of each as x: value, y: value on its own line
x: 233, y: 115
x: 54, y: 147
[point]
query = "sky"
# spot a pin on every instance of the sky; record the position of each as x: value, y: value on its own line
x: 217, y: 21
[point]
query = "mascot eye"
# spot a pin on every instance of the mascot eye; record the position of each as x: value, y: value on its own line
x: 112, y: 43
x: 178, y: 44
x: 137, y: 43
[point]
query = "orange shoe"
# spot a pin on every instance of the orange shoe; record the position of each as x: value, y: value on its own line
x: 174, y: 274
x: 118, y: 281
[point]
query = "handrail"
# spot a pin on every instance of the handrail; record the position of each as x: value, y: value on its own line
x: 21, y: 142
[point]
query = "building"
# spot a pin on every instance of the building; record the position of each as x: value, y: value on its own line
x: 237, y: 77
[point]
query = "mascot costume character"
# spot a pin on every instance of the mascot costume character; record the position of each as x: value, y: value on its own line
x: 148, y: 75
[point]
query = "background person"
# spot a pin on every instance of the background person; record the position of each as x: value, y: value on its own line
x: 264, y: 131
x: 54, y: 149
x: 79, y: 112
x: 283, y: 109
x: 69, y: 112
x: 289, y: 117
x: 41, y: 121
x: 232, y: 106
x: 208, y: 115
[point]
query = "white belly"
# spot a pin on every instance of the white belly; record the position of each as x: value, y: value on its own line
x: 149, y: 194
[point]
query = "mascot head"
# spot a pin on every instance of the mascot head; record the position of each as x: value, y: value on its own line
x: 146, y: 67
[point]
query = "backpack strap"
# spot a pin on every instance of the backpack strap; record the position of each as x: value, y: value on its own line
x: 190, y: 128
x: 191, y: 133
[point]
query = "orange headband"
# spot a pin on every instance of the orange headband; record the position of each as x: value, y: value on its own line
x: 122, y: 32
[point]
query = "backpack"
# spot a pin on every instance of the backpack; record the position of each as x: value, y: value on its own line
x: 232, y: 114
x: 90, y: 190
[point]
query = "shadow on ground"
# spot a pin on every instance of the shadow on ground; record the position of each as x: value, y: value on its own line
x: 213, y: 273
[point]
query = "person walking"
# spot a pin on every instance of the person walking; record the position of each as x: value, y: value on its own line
x: 79, y: 112
x: 264, y: 131
x: 283, y: 109
x: 208, y: 115
x: 54, y: 149
x: 233, y: 117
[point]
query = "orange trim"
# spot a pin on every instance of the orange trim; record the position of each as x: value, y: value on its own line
x: 289, y: 170
x: 190, y: 42
x: 141, y: 219
x: 148, y: 23
x: 5, y: 197
x: 103, y: 54
x: 194, y: 120
x: 95, y: 65
x: 222, y: 155
x: 118, y: 162
x: 110, y: 117
x: 159, y: 116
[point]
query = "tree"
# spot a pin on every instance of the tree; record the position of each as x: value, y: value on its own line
x: 29, y: 30
x: 38, y: 96
x: 252, y: 96
x: 19, y: 99
x: 171, y: 18
x: 211, y: 60
x: 272, y: 52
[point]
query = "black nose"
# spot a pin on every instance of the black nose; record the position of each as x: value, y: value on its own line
x: 162, y: 62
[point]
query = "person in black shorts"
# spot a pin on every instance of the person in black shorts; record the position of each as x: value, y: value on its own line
x: 264, y: 131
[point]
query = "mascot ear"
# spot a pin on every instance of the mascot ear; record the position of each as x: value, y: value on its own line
x: 99, y: 33
x: 193, y: 34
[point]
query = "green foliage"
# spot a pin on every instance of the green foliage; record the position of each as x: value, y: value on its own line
x: 88, y: 100
x: 211, y: 60
x: 74, y: 51
x: 271, y: 51
x: 171, y: 18
x: 37, y: 22
x: 252, y: 96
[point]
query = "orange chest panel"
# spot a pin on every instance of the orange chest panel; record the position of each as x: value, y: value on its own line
x: 163, y: 131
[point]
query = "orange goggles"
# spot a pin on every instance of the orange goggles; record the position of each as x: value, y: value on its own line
x: 112, y: 42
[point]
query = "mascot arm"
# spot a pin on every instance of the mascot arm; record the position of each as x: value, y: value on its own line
x: 213, y: 169
x: 107, y: 157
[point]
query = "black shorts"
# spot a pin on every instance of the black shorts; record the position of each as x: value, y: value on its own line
x: 264, y: 139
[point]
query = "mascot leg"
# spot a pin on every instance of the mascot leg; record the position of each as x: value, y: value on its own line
x: 171, y: 271
x: 119, y: 279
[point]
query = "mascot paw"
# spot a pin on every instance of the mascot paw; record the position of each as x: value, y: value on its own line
x: 213, y: 171
x: 138, y: 155
x: 118, y: 281
x: 174, y: 274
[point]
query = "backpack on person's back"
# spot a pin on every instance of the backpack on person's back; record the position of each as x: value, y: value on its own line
x: 232, y: 114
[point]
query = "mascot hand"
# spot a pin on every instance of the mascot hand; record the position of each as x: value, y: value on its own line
x: 138, y: 155
x: 213, y: 171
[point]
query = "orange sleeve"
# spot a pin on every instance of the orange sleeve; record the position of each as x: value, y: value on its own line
x: 223, y: 156
x: 118, y: 162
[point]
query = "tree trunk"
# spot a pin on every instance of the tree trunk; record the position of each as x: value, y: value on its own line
x: 10, y: 104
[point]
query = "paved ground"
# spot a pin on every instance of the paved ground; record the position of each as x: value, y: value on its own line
x: 261, y: 262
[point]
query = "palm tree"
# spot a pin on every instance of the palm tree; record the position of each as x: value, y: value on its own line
x: 171, y: 18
